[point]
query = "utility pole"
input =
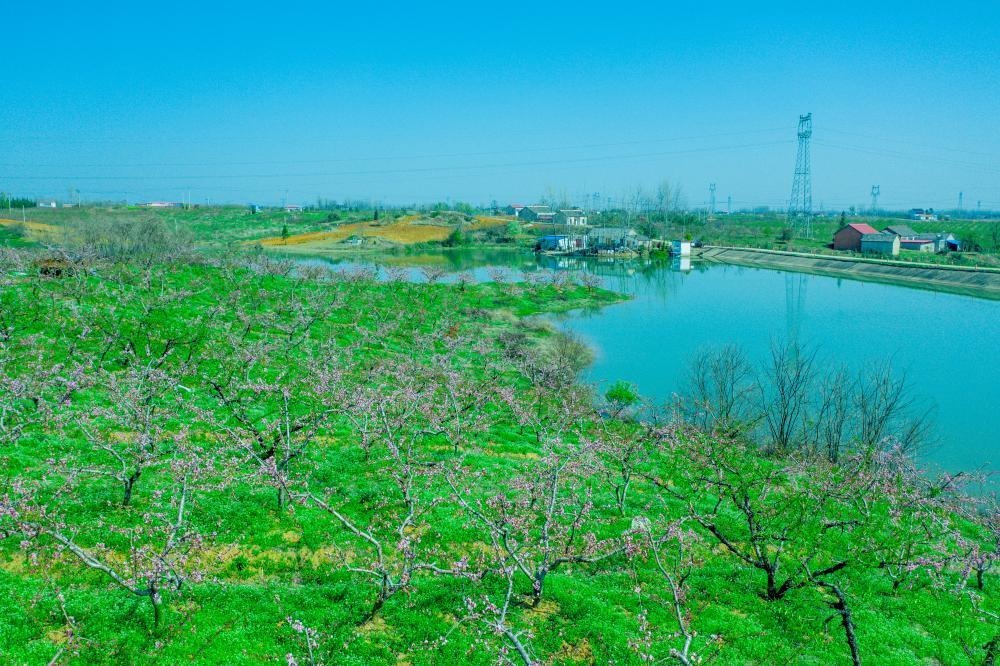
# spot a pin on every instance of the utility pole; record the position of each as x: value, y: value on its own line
x: 800, y: 204
x: 876, y: 190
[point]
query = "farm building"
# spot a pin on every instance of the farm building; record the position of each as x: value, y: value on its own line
x: 615, y: 238
x: 923, y: 215
x: 901, y: 230
x: 911, y: 240
x: 943, y: 241
x: 514, y: 209
x: 918, y: 244
x: 849, y: 237
x: 571, y: 217
x: 537, y: 214
x: 561, y: 243
x: 880, y: 244
x: 292, y: 208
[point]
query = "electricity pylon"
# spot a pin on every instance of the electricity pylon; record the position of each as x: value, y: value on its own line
x: 800, y: 205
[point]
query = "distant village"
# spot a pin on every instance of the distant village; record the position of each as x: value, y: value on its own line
x: 589, y: 240
x: 854, y: 237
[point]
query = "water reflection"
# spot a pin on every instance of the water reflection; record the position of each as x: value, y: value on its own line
x: 944, y: 342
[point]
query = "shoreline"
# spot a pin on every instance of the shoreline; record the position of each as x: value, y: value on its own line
x: 978, y: 282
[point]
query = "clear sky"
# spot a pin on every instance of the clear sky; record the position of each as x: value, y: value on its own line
x: 419, y: 102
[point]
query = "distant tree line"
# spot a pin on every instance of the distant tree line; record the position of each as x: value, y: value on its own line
x: 10, y: 201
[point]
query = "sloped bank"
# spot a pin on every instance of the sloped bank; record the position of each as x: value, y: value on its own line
x: 984, y: 283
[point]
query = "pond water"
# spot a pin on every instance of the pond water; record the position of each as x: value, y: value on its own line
x: 946, y: 344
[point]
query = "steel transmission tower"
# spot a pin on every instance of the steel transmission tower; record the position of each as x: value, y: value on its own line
x: 711, y: 199
x: 801, y: 204
x: 876, y: 190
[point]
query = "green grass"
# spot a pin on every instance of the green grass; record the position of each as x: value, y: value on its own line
x: 212, y: 226
x: 269, y: 564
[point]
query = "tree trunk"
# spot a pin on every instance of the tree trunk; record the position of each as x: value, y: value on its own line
x: 621, y: 493
x: 846, y: 621
x: 129, y: 485
x: 773, y: 593
x: 538, y: 587
x: 384, y: 593
x: 154, y: 599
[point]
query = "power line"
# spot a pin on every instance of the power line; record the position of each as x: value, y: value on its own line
x: 409, y: 169
x: 403, y: 157
x: 909, y: 156
x: 907, y: 142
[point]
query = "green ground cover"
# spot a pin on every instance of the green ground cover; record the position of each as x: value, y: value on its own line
x: 388, y: 472
x: 213, y: 226
x: 221, y: 226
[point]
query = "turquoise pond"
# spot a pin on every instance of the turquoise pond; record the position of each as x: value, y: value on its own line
x: 947, y: 345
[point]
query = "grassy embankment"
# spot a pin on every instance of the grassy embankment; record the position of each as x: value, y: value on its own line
x: 273, y: 340
x: 215, y: 226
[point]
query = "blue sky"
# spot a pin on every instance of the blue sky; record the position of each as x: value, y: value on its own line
x: 247, y: 101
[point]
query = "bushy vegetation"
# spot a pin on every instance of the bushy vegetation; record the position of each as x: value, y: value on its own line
x: 246, y: 461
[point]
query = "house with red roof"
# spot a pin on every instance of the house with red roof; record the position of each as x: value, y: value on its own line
x: 849, y: 236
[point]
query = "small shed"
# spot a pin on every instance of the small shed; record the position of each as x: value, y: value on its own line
x: 887, y: 244
x: 941, y: 240
x: 553, y: 243
x: 680, y: 248
x: 917, y: 244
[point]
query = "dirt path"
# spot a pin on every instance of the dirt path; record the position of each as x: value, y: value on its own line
x: 33, y: 226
